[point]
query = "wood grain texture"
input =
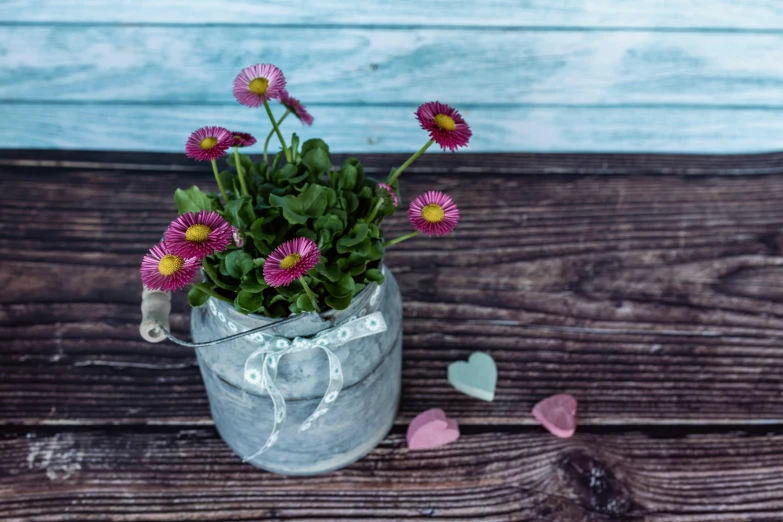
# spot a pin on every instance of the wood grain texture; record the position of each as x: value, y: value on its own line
x: 655, y: 299
x: 174, y: 65
x: 394, y: 129
x: 729, y: 14
x: 190, y: 474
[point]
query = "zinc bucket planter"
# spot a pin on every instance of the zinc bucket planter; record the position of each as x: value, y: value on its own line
x: 347, y: 426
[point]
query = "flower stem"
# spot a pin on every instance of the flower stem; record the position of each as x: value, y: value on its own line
x: 401, y: 239
x: 410, y: 160
x: 219, y: 183
x: 239, y: 172
x: 269, y: 136
x: 277, y: 131
x: 309, y: 293
x: 375, y: 210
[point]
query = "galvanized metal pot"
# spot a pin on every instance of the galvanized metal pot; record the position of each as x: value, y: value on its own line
x: 355, y: 422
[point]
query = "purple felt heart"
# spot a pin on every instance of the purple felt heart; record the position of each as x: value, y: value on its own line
x: 558, y: 414
x: 431, y: 429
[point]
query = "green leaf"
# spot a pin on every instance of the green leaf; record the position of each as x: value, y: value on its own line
x: 294, y: 147
x: 264, y: 190
x: 222, y: 267
x: 348, y: 177
x: 338, y: 303
x: 259, y: 169
x: 213, y: 275
x: 292, y: 208
x: 250, y: 301
x: 356, y: 165
x: 304, y: 304
x: 331, y: 271
x: 314, y: 143
x: 349, y: 201
x: 314, y: 200
x: 239, y: 263
x: 357, y: 235
x: 261, y: 239
x: 329, y: 222
x: 324, y: 240
x: 374, y: 231
x: 239, y: 212
x: 358, y: 268
x: 228, y: 180
x: 317, y: 160
x: 290, y: 175
x: 344, y: 287
x: 376, y: 251
x: 374, y: 275
x: 192, y: 200
x: 196, y: 297
x: 252, y: 283
x: 306, y: 232
x: 276, y: 162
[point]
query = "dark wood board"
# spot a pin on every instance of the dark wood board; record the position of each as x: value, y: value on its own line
x: 651, y: 287
x: 190, y: 474
x: 653, y: 298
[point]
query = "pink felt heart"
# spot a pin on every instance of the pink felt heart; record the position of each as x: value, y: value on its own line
x: 431, y: 429
x: 558, y: 414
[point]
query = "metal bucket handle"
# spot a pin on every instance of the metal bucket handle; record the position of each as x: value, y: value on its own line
x: 154, y: 327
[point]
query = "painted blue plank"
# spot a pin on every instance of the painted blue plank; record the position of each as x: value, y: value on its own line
x: 733, y: 14
x: 381, y: 66
x: 394, y: 129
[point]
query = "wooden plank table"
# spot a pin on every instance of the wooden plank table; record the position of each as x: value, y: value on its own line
x: 650, y: 287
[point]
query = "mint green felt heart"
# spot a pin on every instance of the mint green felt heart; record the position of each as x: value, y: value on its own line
x: 476, y: 378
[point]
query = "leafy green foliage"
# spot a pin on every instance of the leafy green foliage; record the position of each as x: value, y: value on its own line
x: 193, y: 200
x: 304, y: 198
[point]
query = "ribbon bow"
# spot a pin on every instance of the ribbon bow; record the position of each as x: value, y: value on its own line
x: 261, y: 366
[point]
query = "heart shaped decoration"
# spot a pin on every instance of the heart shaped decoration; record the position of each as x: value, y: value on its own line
x: 557, y: 414
x: 477, y: 377
x: 431, y: 429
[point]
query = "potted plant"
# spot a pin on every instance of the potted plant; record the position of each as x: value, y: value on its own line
x: 300, y: 322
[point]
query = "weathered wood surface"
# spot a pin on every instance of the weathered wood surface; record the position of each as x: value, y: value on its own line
x: 655, y: 299
x: 372, y: 66
x: 190, y: 474
x: 545, y: 76
x: 394, y: 129
x: 647, y: 286
x: 545, y: 14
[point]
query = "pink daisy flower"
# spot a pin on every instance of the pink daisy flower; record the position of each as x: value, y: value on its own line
x: 198, y: 234
x: 433, y: 213
x: 290, y: 261
x: 208, y: 143
x: 296, y: 107
x: 258, y: 83
x: 162, y: 270
x: 238, y: 239
x: 446, y: 126
x: 243, y: 139
x: 392, y: 195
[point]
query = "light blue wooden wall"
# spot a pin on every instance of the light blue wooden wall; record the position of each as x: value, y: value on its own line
x: 529, y: 75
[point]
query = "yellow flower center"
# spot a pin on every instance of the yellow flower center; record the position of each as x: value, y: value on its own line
x: 170, y: 264
x: 432, y: 213
x: 197, y: 233
x: 290, y: 261
x: 208, y: 143
x: 259, y: 86
x: 445, y: 122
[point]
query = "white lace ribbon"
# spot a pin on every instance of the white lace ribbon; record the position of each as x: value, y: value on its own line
x: 261, y: 367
